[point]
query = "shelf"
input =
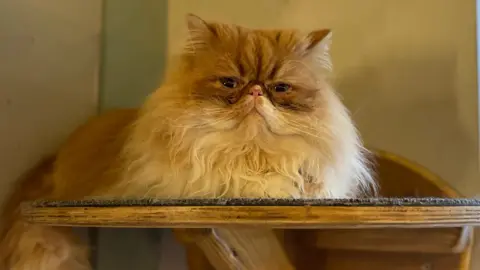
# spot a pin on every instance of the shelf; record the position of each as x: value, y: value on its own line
x: 204, y: 213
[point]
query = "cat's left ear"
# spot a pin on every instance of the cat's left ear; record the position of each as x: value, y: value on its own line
x: 318, y: 47
x: 199, y: 33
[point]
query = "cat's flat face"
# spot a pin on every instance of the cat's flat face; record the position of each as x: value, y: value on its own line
x: 244, y: 78
x: 264, y: 58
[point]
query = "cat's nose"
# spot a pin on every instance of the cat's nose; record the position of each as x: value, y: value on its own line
x: 256, y: 90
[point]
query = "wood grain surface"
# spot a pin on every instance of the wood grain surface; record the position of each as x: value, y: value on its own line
x: 423, y: 240
x: 268, y: 216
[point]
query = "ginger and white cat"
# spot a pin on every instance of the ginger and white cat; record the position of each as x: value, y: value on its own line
x: 244, y: 113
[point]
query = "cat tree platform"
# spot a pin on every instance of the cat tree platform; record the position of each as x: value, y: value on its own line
x: 421, y: 223
x: 272, y: 213
x: 431, y: 232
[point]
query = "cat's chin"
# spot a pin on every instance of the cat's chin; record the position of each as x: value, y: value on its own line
x: 254, y: 120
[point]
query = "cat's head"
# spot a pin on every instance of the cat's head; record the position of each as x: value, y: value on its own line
x: 261, y: 95
x: 253, y: 82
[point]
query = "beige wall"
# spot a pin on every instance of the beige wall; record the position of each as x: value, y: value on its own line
x: 407, y: 69
x: 48, y: 77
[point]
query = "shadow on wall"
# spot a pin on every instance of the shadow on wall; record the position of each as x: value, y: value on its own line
x: 407, y: 108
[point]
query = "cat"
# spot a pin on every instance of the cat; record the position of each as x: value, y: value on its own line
x: 241, y: 113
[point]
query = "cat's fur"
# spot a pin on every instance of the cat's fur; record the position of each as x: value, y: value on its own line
x: 195, y: 137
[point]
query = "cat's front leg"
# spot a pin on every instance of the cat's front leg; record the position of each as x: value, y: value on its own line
x: 271, y: 186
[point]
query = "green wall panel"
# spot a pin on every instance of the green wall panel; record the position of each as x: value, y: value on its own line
x: 133, y: 51
x: 134, y: 42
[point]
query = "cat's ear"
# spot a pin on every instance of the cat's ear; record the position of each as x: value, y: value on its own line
x: 199, y: 33
x: 195, y: 23
x: 318, y: 47
x: 320, y: 39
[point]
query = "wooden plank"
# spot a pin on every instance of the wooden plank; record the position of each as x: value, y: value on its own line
x: 267, y: 216
x: 357, y: 260
x: 234, y: 248
x: 431, y: 240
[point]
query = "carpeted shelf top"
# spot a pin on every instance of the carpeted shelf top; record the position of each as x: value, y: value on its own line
x: 259, y: 202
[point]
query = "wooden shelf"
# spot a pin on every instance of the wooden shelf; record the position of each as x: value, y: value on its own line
x: 363, y: 213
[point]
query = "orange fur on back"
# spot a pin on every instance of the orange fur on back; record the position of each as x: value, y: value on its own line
x: 244, y: 113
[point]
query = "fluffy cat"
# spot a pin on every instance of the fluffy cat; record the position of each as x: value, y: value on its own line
x: 244, y: 113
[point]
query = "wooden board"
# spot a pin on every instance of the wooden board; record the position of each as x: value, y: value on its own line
x: 356, y: 260
x: 267, y: 216
x: 423, y: 240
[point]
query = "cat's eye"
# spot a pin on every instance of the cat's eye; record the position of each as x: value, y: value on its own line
x: 281, y: 87
x: 228, y: 82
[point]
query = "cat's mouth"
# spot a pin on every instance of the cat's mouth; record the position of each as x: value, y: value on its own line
x: 250, y: 109
x: 254, y: 112
x: 261, y: 108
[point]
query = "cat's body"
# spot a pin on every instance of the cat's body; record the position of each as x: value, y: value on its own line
x: 243, y: 114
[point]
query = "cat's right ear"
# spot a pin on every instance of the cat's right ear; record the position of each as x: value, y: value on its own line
x: 318, y: 47
x: 200, y: 33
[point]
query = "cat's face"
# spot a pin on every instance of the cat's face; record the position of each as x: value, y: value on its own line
x: 255, y: 80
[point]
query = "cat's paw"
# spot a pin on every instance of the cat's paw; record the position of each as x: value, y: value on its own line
x: 272, y: 187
